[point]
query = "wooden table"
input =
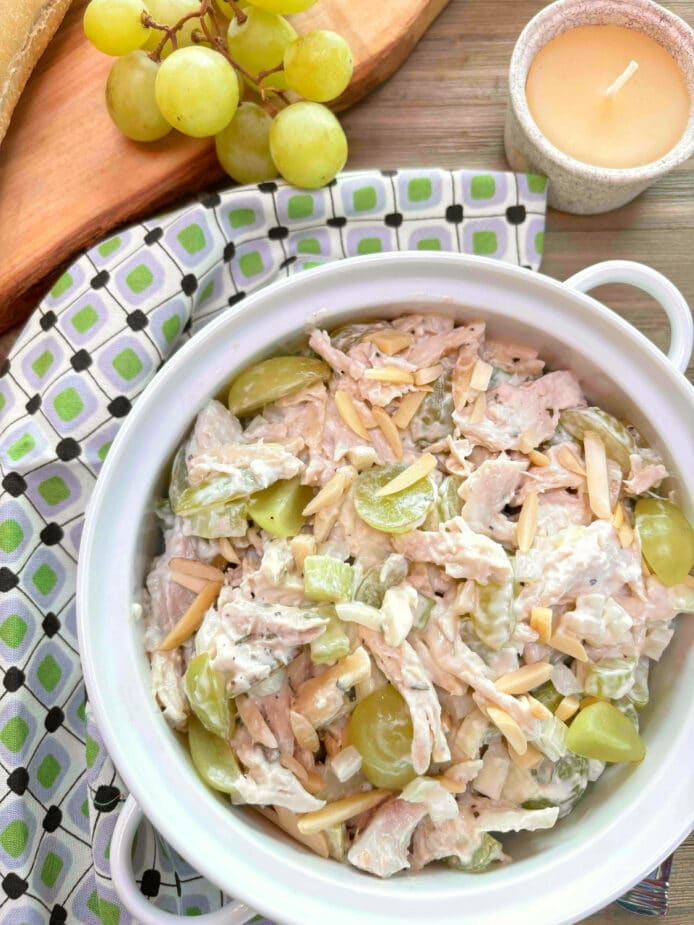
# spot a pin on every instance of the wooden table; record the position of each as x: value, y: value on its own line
x: 446, y: 107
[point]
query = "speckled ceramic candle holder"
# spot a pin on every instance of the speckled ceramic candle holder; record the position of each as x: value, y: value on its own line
x: 574, y: 186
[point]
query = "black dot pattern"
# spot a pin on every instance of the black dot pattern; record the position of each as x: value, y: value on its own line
x: 236, y: 297
x: 229, y: 251
x: 34, y: 403
x: 5, y: 367
x: 393, y: 219
x: 54, y: 719
x: 153, y: 235
x: 515, y: 215
x: 8, y: 579
x: 119, y: 407
x: 268, y: 187
x: 338, y: 222
x: 68, y: 449
x: 51, y: 534
x: 18, y: 781
x: 106, y: 798
x: 278, y: 233
x: 48, y: 320
x: 14, y: 886
x: 151, y: 881
x: 50, y: 624
x: 137, y: 320
x: 454, y: 214
x: 189, y: 283
x: 52, y: 819
x: 80, y: 361
x: 101, y: 279
x: 14, y: 484
x: 58, y: 915
x: 13, y: 679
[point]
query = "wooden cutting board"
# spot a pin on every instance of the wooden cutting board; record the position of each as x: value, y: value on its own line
x: 67, y: 176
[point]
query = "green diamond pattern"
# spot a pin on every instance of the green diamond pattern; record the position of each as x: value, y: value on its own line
x: 419, y: 189
x: 14, y: 837
x: 484, y: 242
x: 54, y: 490
x: 11, y: 535
x: 127, y: 364
x: 251, y: 264
x: 364, y: 199
x: 43, y: 363
x: 44, y: 578
x: 139, y: 279
x: 300, y: 206
x: 49, y: 673
x: 84, y: 319
x: 13, y: 630
x: 170, y: 328
x: 483, y: 186
x: 51, y: 869
x: 240, y: 217
x: 106, y: 248
x: 21, y: 447
x: 192, y: 239
x: 68, y: 405
x: 14, y: 734
x: 61, y: 285
x: 47, y: 771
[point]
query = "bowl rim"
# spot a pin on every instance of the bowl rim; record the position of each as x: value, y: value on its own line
x: 394, y: 264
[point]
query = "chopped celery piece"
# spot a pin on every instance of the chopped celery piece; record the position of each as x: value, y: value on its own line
x: 667, y: 539
x: 618, y: 440
x: 273, y: 379
x: 493, y: 616
x: 638, y: 693
x: 379, y: 579
x: 610, y: 678
x: 603, y: 732
x: 327, y: 579
x: 213, y: 757
x: 397, y: 513
x: 380, y: 729
x: 548, y: 695
x: 423, y: 611
x: 551, y: 738
x: 206, y: 694
x: 449, y: 503
x: 222, y: 520
x: 212, y: 492
x: 332, y: 644
x: 278, y: 508
x: 487, y: 851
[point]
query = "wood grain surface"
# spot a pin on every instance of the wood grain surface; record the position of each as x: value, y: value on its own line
x: 67, y: 174
x: 446, y: 107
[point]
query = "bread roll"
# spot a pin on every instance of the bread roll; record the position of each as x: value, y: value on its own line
x: 27, y: 27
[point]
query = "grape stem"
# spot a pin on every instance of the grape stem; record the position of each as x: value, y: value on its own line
x: 240, y: 16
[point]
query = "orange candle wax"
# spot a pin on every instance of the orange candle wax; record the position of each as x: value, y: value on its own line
x: 636, y: 124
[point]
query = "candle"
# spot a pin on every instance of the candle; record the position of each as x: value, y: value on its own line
x: 608, y: 95
x: 601, y: 100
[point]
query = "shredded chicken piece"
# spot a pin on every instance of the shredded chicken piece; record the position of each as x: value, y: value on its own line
x: 643, y: 475
x: 487, y: 492
x: 267, y: 782
x: 513, y: 358
x: 382, y: 848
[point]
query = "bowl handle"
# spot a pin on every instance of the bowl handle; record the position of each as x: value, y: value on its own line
x: 655, y: 284
x: 130, y: 817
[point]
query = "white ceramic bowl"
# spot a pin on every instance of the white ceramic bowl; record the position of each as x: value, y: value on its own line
x: 623, y: 827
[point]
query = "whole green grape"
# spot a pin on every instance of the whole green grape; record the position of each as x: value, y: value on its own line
x: 380, y: 729
x: 206, y: 694
x: 213, y: 758
x: 272, y: 379
x: 130, y: 98
x: 243, y: 147
x: 197, y: 91
x: 308, y: 145
x: 115, y: 27
x: 667, y: 539
x: 277, y: 509
x: 168, y: 13
x: 318, y: 65
x: 397, y: 513
x: 259, y: 42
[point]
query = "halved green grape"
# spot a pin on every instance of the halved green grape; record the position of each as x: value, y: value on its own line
x: 434, y: 418
x: 493, y: 617
x: 380, y: 729
x: 548, y: 695
x: 449, y: 502
x: 278, y: 508
x: 308, y: 145
x: 272, y: 379
x: 168, y: 13
x: 215, y: 491
x: 667, y: 539
x: 619, y: 442
x: 318, y: 65
x: 601, y: 731
x: 258, y: 44
x: 377, y: 580
x: 609, y: 678
x: 130, y: 98
x: 197, y: 91
x: 487, y: 851
x: 206, y: 694
x: 211, y: 523
x: 213, y: 757
x: 286, y: 7
x: 333, y: 644
x: 115, y: 27
x: 327, y: 579
x: 405, y: 510
x: 243, y: 147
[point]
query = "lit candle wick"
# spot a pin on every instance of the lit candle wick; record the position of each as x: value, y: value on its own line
x: 617, y: 85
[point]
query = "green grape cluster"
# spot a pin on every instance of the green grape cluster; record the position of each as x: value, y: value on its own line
x: 234, y: 70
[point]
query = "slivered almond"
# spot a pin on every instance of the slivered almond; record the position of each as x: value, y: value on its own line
x: 537, y: 708
x: 316, y: 698
x: 596, y: 475
x: 389, y: 430
x: 527, y: 441
x: 408, y: 407
x: 524, y: 679
x: 539, y: 459
x: 315, y: 782
x: 304, y: 733
x: 568, y: 460
x: 418, y: 470
x: 390, y: 342
x: 349, y: 414
x: 479, y: 409
x: 567, y: 707
x: 196, y: 568
x: 192, y: 618
x: 427, y: 374
x: 541, y: 622
x: 618, y: 515
x: 460, y: 384
x: 390, y: 374
x: 531, y: 758
x: 291, y: 764
x: 481, y: 374
x: 228, y: 551
x: 302, y: 545
x: 340, y: 811
x: 323, y: 523
x: 509, y: 728
x: 452, y: 786
x: 332, y: 492
x: 527, y: 522
x: 689, y: 581
x: 188, y: 581
x: 569, y: 645
x: 287, y: 821
x: 626, y: 535
x: 255, y: 723
x: 588, y: 701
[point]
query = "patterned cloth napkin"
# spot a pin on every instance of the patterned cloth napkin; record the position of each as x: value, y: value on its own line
x: 89, y: 350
